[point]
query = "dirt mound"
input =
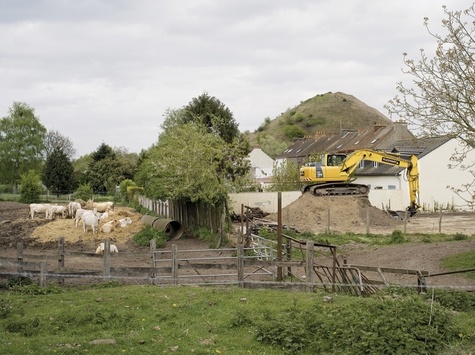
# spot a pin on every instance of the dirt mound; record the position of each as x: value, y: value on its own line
x: 340, y: 213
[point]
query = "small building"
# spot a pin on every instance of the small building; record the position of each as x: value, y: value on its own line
x: 262, y: 167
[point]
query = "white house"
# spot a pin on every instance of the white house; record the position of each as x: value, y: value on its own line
x: 262, y: 166
x: 437, y: 175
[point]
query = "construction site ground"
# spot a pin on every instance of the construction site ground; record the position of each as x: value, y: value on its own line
x: 308, y: 213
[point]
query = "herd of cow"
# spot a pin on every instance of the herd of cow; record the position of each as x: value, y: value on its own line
x: 89, y: 213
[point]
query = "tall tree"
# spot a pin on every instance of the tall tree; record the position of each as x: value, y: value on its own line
x: 21, y: 143
x: 214, y: 115
x: 54, y: 140
x: 108, y: 167
x: 185, y: 165
x: 440, y: 99
x: 58, y: 173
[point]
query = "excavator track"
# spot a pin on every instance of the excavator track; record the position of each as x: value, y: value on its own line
x: 337, y: 189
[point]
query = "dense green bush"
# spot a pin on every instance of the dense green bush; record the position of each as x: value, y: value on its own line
x: 31, y: 188
x: 84, y: 192
x: 363, y: 327
x: 148, y: 233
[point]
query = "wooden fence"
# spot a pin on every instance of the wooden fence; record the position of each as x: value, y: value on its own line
x: 255, y: 266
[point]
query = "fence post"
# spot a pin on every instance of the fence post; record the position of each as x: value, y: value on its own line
x: 61, y: 259
x: 175, y: 264
x: 440, y: 220
x: 309, y: 265
x: 19, y: 256
x: 328, y: 222
x: 153, y: 249
x: 240, y: 265
x: 367, y: 220
x: 106, y: 261
x: 43, y: 272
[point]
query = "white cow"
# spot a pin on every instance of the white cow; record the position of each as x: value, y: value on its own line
x: 39, y: 208
x: 90, y: 219
x: 78, y: 215
x: 109, y: 226
x: 72, y: 208
x: 124, y: 222
x: 55, y: 210
x: 100, y: 206
x: 101, y: 247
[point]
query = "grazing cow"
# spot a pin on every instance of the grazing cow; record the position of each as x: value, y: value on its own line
x: 55, y: 210
x: 78, y: 215
x: 124, y: 222
x: 101, y: 247
x: 109, y: 226
x: 100, y: 206
x: 73, y: 207
x: 39, y: 208
x: 90, y: 219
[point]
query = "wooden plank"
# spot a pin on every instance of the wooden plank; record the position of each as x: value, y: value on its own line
x: 388, y: 269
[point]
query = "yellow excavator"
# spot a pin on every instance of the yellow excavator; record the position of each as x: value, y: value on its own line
x: 335, y: 173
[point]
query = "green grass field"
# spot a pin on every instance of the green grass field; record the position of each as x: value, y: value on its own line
x: 114, y: 319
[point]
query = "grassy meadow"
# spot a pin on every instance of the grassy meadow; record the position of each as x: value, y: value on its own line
x: 114, y: 319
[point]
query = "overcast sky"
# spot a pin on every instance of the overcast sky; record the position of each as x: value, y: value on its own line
x: 107, y: 70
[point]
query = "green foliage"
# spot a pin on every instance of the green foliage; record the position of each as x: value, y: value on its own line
x: 285, y: 177
x: 397, y: 237
x: 21, y: 143
x: 460, y: 236
x: 211, y: 113
x: 31, y: 188
x: 148, y: 233
x: 23, y: 327
x: 108, y: 168
x: 206, y: 235
x: 58, y: 174
x: 292, y: 131
x: 14, y: 281
x: 459, y: 301
x: 270, y: 145
x: 211, y: 320
x: 365, y: 326
x: 124, y: 186
x: 185, y: 164
x: 84, y: 192
x: 460, y: 261
x: 314, y: 121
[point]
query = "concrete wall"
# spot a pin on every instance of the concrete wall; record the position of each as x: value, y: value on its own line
x: 266, y: 201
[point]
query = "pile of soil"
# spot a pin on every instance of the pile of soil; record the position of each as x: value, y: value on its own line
x: 336, y: 213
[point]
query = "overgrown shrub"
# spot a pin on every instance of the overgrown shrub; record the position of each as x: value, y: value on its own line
x: 31, y: 188
x: 84, y: 192
x: 460, y: 236
x: 148, y: 233
x: 408, y: 325
x: 397, y: 237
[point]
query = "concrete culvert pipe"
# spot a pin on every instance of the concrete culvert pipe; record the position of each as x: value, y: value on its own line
x: 173, y: 229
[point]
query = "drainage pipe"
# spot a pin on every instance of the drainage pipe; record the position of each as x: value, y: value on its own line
x: 173, y: 229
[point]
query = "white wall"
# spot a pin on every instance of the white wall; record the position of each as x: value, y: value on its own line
x: 262, y: 163
x: 435, y: 176
x: 266, y: 201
